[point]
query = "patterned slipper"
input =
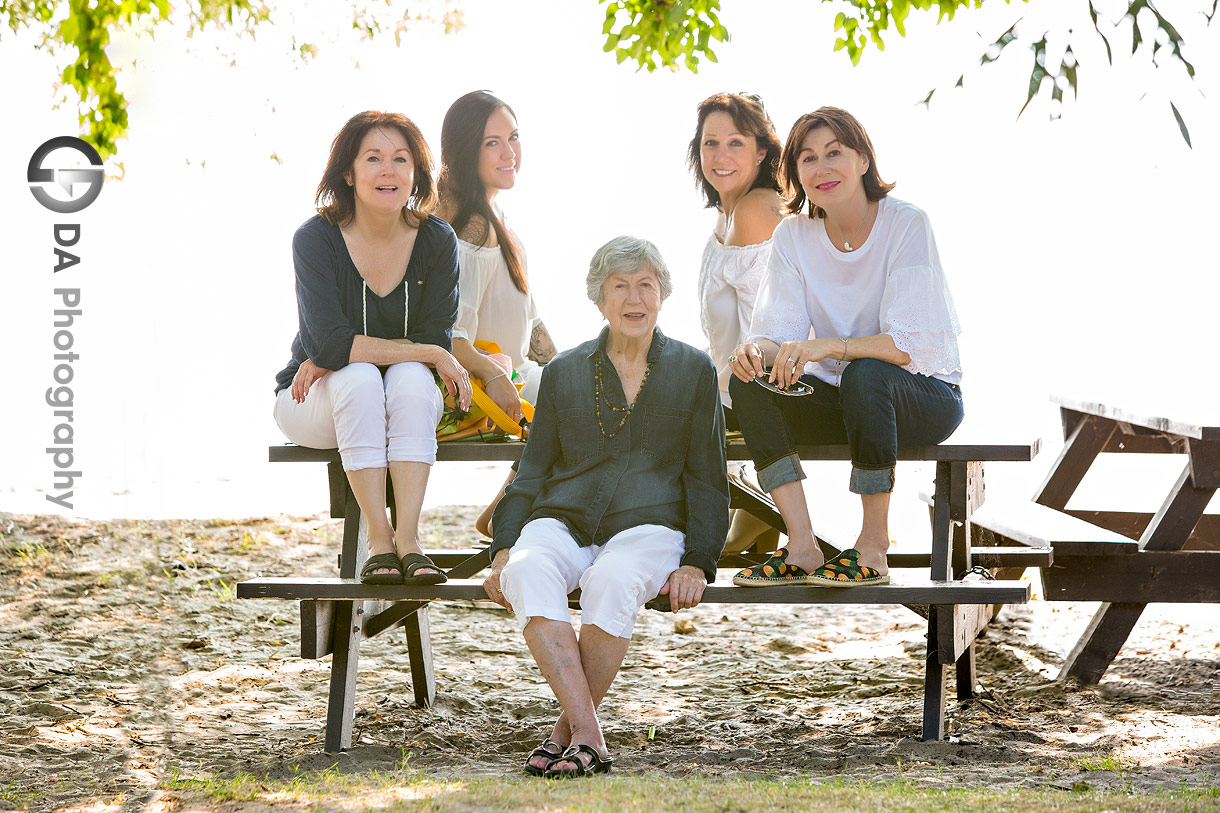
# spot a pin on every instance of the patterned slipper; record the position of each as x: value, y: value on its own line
x: 774, y: 571
x: 845, y: 570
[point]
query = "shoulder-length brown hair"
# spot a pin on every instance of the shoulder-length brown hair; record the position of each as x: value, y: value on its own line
x: 750, y: 117
x: 465, y: 197
x: 850, y: 133
x: 336, y: 200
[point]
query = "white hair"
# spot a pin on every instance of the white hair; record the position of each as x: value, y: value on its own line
x: 626, y: 255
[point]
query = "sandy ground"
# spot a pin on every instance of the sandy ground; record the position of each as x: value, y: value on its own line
x: 127, y: 659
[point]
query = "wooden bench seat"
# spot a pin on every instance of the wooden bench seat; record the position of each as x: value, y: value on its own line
x: 336, y: 613
x: 904, y: 589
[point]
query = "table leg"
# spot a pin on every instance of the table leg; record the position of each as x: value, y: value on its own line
x: 419, y: 651
x: 1112, y: 624
x: 935, y: 674
x: 1081, y: 448
x: 942, y: 563
x: 341, y: 704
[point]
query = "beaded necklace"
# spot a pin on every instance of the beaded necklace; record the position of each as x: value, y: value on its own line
x: 599, y: 395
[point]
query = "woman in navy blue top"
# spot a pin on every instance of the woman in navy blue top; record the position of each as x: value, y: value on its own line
x: 376, y: 285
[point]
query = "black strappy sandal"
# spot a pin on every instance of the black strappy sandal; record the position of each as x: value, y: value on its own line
x: 410, y: 565
x: 382, y: 561
x: 595, y: 764
x: 546, y: 753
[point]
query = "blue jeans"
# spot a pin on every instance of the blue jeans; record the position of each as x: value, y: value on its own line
x: 877, y: 407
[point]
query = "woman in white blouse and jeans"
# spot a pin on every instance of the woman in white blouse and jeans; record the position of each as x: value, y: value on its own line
x: 855, y: 308
x: 480, y: 157
x: 734, y: 156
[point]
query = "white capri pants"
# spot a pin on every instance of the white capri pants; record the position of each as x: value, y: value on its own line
x: 371, y: 419
x: 615, y: 579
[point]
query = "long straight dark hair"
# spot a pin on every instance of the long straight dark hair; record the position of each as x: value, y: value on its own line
x: 461, y: 144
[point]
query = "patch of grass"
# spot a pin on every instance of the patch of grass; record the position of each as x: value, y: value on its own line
x: 224, y: 591
x: 1101, y: 762
x: 17, y: 798
x: 27, y: 550
x: 249, y: 542
x: 406, y: 789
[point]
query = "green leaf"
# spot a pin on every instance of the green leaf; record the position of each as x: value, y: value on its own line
x: 1093, y: 15
x: 1181, y: 125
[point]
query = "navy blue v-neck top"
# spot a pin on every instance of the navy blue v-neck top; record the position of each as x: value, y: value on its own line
x: 332, y: 304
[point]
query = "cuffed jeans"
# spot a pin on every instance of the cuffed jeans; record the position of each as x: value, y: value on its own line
x: 877, y: 407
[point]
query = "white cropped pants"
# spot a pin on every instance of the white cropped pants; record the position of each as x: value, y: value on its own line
x: 370, y: 418
x: 615, y: 579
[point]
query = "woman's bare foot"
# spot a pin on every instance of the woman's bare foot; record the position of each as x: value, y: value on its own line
x: 805, y: 554
x: 873, y: 553
x: 382, y: 545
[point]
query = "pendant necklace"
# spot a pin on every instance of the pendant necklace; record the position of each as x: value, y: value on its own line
x: 847, y: 244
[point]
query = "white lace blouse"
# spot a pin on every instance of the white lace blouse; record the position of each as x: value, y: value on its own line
x: 892, y: 284
x: 491, y: 308
x: 728, y: 284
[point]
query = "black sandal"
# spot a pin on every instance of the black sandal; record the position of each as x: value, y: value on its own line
x: 544, y: 751
x: 410, y: 564
x: 382, y: 561
x: 595, y: 764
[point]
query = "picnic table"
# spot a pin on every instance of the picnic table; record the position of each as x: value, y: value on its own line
x: 1171, y: 555
x: 956, y: 593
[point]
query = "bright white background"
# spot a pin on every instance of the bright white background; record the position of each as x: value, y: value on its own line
x: 1081, y: 251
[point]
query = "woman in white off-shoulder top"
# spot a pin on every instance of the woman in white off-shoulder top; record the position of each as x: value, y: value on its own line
x: 480, y: 157
x: 855, y: 313
x: 734, y: 157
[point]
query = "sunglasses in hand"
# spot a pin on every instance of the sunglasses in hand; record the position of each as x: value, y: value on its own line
x: 797, y: 387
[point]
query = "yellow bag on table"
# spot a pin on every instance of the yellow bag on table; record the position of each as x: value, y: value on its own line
x: 485, y: 419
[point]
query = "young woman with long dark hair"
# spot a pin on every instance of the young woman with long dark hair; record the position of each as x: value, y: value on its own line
x: 480, y: 157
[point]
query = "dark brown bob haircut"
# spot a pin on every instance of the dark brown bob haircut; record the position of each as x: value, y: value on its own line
x: 850, y: 133
x: 335, y: 199
x: 751, y: 119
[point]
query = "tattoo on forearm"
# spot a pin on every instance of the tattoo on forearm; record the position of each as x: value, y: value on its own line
x: 542, y: 349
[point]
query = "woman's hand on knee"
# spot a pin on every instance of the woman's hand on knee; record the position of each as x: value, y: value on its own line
x: 455, y: 377
x: 491, y: 585
x: 791, y: 358
x: 685, y: 587
x: 307, y: 375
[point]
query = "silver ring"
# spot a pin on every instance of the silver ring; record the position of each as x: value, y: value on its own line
x: 732, y: 359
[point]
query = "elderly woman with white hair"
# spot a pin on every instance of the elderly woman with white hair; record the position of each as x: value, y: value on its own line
x: 621, y: 492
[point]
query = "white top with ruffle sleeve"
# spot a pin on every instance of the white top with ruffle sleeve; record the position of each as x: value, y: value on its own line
x: 728, y: 285
x: 491, y: 308
x: 892, y: 284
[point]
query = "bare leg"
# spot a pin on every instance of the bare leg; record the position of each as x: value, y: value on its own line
x: 747, y: 532
x: 483, y: 523
x: 368, y: 485
x: 874, y: 540
x: 579, y: 673
x: 410, y: 480
x: 803, y: 550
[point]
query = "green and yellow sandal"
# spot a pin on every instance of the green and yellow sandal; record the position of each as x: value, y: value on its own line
x: 845, y: 570
x: 774, y: 571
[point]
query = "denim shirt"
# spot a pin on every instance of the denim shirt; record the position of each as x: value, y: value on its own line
x: 666, y: 466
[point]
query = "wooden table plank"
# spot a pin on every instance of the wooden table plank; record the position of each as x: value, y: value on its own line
x: 1142, y: 416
